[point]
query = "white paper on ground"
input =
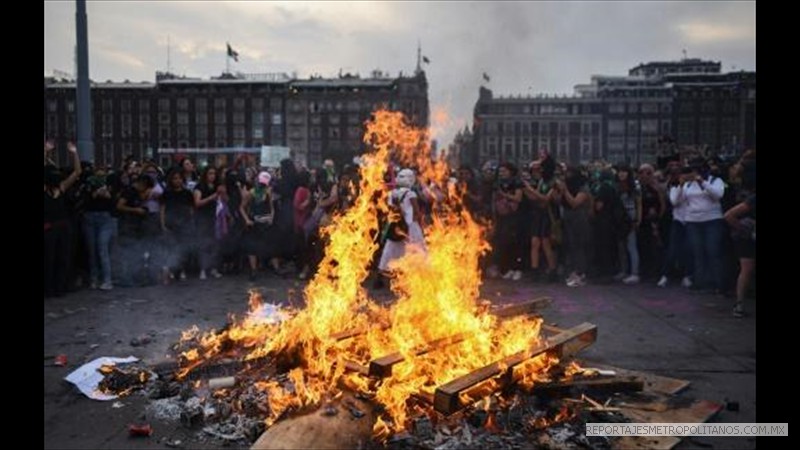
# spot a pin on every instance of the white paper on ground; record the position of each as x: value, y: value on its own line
x: 87, y: 378
x: 268, y: 314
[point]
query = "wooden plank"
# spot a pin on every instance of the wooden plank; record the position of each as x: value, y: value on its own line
x: 652, y: 382
x: 351, y: 366
x: 447, y: 398
x: 518, y: 309
x: 382, y: 367
x: 602, y: 385
x: 698, y: 411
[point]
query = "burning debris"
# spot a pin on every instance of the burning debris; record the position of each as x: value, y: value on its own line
x: 121, y: 380
x: 437, y: 368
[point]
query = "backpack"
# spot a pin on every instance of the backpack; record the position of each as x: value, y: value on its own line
x: 396, y: 228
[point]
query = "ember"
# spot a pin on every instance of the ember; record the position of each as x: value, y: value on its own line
x: 123, y: 380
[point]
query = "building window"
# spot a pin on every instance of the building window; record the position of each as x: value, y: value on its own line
x: 315, y: 132
x: 650, y: 126
x: 334, y: 119
x: 182, y: 104
x: 183, y: 118
x: 108, y: 106
x: 633, y: 127
x: 163, y: 118
x: 144, y: 126
x: 633, y: 108
x: 52, y: 125
x: 238, y: 118
x: 616, y: 108
x: 183, y: 132
x: 316, y: 120
x: 616, y: 127
x: 257, y: 104
x: 201, y: 132
x: 353, y: 119
x: 238, y: 104
x: 70, y: 106
x: 163, y: 104
x: 201, y: 117
x: 221, y: 132
x: 666, y: 129
x: 277, y: 119
x: 108, y: 126
x: 649, y: 108
x: 238, y: 132
x: 707, y: 107
x: 163, y: 133
x: 127, y: 126
x: 334, y: 133
x: 52, y: 106
x: 666, y: 108
x: 144, y: 106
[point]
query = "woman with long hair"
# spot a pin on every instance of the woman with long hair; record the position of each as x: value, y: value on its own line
x: 631, y: 196
x: 577, y: 206
x: 56, y: 224
x: 206, y: 194
x: 543, y: 199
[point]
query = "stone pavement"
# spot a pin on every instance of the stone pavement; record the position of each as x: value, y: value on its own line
x: 670, y: 332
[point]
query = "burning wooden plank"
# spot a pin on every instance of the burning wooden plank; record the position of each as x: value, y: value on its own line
x: 474, y: 385
x: 382, y: 367
x: 518, y: 309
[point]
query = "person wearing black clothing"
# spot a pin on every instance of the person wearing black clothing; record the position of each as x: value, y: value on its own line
x: 99, y: 227
x: 507, y: 196
x: 284, y: 213
x: 609, y: 226
x: 137, y: 233
x: 205, y: 202
x: 177, y: 224
x: 56, y: 224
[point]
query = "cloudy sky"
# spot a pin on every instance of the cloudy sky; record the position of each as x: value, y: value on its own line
x: 535, y: 47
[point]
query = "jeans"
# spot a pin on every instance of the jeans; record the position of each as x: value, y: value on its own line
x: 705, y: 239
x: 98, y: 228
x: 629, y: 254
x: 679, y: 251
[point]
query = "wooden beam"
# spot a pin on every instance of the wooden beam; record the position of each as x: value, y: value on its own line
x: 382, y: 367
x: 601, y: 385
x: 518, y: 309
x: 447, y: 398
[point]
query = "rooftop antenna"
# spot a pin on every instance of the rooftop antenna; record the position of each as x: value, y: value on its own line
x: 419, y: 57
x: 684, y: 54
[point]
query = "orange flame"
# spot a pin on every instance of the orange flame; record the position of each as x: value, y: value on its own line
x: 437, y: 291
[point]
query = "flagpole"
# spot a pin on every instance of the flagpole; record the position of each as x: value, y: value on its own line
x: 227, y: 62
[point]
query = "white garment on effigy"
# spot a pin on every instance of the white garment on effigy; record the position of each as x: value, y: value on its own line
x: 397, y: 249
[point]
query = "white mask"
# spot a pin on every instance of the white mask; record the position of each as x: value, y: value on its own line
x: 406, y: 178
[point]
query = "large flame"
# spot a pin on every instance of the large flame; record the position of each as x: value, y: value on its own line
x: 437, y: 291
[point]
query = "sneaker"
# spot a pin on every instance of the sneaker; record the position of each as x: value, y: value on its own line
x: 93, y: 285
x: 686, y: 282
x: 183, y: 275
x: 571, y: 278
x: 662, y: 282
x: 633, y: 279
x: 215, y: 273
x: 738, y: 310
x: 620, y: 276
x: 577, y: 281
x: 203, y: 275
x: 508, y: 275
x: 107, y: 286
x: 517, y: 275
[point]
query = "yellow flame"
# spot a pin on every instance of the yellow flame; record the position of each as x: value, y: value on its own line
x: 437, y: 297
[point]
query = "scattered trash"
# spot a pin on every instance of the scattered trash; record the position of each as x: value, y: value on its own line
x: 87, y: 378
x: 173, y: 444
x: 60, y: 361
x: 141, y: 340
x: 222, y: 382
x: 94, y: 346
x: 144, y: 430
x: 117, y: 405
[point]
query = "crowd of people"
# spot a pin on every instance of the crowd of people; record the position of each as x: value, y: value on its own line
x: 685, y: 220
